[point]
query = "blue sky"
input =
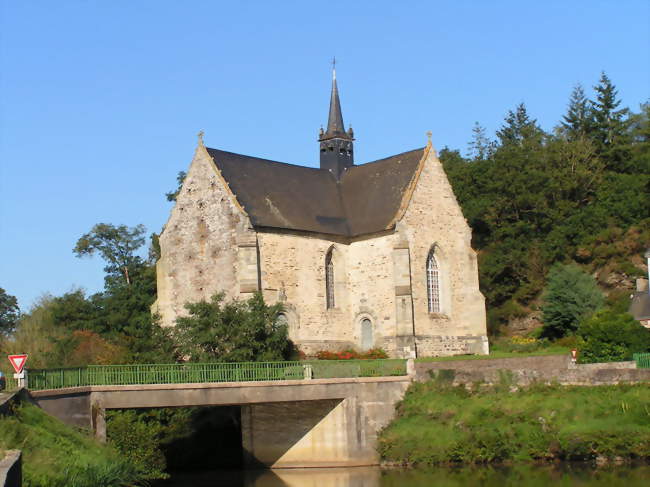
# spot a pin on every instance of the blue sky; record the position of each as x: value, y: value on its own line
x: 100, y: 102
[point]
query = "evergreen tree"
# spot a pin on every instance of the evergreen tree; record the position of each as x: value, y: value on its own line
x: 610, y: 126
x: 518, y: 127
x: 481, y: 147
x: 577, y: 121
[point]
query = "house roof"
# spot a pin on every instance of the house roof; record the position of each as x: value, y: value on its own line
x: 366, y: 200
x: 640, y: 305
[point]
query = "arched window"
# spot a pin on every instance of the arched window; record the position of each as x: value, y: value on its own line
x: 329, y: 280
x: 433, y: 284
x: 281, y: 320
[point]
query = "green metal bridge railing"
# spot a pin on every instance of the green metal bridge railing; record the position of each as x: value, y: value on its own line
x: 642, y: 360
x: 106, y: 375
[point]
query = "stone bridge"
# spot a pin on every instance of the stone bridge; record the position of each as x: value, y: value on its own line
x: 284, y: 423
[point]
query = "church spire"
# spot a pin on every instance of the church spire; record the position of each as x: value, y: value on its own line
x: 335, y: 143
x: 335, y: 120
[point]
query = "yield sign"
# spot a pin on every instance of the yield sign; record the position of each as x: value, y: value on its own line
x: 18, y: 362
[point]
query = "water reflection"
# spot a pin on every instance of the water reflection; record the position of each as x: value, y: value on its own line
x: 560, y: 475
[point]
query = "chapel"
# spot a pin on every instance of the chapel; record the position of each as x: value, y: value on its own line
x: 374, y: 255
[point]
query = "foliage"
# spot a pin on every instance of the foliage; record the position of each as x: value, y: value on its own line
x: 350, y: 354
x: 172, y: 195
x: 65, y: 330
x: 570, y: 296
x: 611, y: 336
x: 518, y: 344
x: 9, y: 313
x: 56, y: 455
x: 116, y: 245
x: 534, y: 199
x: 232, y: 332
x: 138, y: 439
x: 438, y: 423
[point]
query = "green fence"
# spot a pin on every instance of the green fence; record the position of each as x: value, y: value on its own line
x: 642, y: 360
x: 96, y: 375
x: 332, y: 369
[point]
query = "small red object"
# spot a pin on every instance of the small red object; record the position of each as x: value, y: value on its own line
x: 18, y: 362
x: 574, y: 354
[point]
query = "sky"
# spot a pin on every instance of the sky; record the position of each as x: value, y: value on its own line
x: 100, y: 102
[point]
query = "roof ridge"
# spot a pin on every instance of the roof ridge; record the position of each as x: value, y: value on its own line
x: 261, y: 159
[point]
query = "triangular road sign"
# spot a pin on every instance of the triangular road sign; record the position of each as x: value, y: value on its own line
x: 18, y: 362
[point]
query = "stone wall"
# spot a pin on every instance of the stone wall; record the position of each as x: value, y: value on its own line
x: 548, y: 364
x: 527, y: 370
x: 209, y: 246
x: 434, y: 220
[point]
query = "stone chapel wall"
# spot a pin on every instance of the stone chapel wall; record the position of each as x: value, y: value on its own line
x: 207, y: 245
x: 434, y: 219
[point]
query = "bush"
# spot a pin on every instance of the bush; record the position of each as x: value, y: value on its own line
x: 611, y: 337
x: 350, y: 354
x: 571, y: 295
x: 519, y: 344
x: 233, y: 332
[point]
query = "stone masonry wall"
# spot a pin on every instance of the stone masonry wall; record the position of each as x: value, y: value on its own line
x: 434, y: 219
x: 205, y: 245
x: 293, y: 271
x: 527, y: 370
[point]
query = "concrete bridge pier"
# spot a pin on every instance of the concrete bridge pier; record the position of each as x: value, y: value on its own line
x: 320, y: 433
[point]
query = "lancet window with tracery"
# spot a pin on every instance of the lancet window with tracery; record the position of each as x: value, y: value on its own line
x: 433, y: 284
x: 329, y: 280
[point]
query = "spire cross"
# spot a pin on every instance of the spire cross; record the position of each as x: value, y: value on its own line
x: 200, y: 136
x: 429, y: 134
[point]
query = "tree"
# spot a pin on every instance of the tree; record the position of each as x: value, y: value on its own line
x: 610, y: 125
x: 232, y: 332
x: 9, y: 313
x: 570, y: 296
x: 518, y: 127
x: 481, y: 147
x: 172, y: 195
x: 611, y: 336
x: 116, y: 244
x: 577, y: 121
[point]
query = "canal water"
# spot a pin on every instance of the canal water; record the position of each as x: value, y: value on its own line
x: 555, y: 475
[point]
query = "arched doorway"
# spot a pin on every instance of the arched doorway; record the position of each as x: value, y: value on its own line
x: 366, y: 334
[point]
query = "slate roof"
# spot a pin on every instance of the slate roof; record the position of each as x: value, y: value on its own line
x: 274, y: 194
x: 640, y: 305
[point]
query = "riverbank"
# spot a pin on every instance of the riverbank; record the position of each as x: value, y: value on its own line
x: 438, y: 423
x: 56, y: 455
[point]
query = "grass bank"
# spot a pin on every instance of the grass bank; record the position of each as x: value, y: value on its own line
x: 554, y: 350
x: 55, y: 455
x: 437, y: 423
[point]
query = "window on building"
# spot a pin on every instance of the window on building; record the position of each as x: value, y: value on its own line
x: 329, y: 279
x: 281, y: 321
x: 433, y: 284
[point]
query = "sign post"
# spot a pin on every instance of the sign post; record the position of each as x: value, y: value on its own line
x: 574, y: 356
x: 18, y: 363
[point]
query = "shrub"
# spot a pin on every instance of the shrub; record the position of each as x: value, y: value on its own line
x: 350, y: 354
x: 611, y: 337
x: 570, y: 296
x: 237, y: 331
